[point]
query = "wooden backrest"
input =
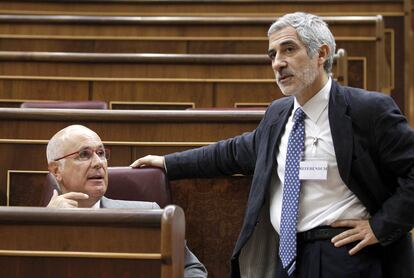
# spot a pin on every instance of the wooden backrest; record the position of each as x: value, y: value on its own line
x: 41, y: 242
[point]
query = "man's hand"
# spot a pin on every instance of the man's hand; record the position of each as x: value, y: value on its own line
x: 149, y: 160
x: 360, y: 231
x: 67, y: 200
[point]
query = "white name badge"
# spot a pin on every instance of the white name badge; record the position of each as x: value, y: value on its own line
x: 313, y: 170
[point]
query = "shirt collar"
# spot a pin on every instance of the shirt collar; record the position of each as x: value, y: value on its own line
x: 313, y: 108
x: 97, y: 204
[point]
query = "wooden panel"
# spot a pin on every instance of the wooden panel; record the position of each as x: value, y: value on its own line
x: 129, y: 70
x: 202, y: 126
x: 25, y: 188
x: 26, y: 267
x: 247, y: 27
x: 396, y: 58
x: 141, y: 241
x: 95, y: 44
x: 172, y: 7
x: 228, y: 94
x: 200, y: 93
x: 43, y: 89
x: 144, y: 105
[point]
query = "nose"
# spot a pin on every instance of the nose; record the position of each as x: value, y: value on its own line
x: 96, y: 161
x: 278, y: 63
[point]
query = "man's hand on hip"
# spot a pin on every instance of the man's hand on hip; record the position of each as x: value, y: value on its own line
x: 360, y: 230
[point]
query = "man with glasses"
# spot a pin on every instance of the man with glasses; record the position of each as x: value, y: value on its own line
x: 79, y: 161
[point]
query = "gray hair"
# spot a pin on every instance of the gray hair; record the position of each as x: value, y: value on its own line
x: 312, y: 31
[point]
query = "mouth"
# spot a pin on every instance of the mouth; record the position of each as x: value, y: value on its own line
x: 284, y: 77
x: 96, y: 177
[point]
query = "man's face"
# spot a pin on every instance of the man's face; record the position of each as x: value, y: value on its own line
x: 296, y: 73
x: 88, y: 176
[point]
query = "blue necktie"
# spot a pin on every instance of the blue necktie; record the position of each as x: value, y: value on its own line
x: 291, y: 192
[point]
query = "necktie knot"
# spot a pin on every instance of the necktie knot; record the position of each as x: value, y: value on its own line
x: 299, y: 115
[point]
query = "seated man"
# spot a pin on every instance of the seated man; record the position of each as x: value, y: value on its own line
x: 78, y: 160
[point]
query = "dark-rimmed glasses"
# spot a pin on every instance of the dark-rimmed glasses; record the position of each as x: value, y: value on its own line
x: 87, y: 153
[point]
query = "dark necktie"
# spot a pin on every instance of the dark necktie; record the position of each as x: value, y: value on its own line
x: 291, y: 192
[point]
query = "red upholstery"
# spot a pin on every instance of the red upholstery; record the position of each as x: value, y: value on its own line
x: 125, y: 183
x: 140, y: 184
x: 93, y: 104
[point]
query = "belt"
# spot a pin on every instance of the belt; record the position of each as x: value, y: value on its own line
x: 320, y: 233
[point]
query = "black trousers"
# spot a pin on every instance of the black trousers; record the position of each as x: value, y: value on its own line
x: 321, y: 259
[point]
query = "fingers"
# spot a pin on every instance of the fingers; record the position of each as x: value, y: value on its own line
x: 149, y: 160
x: 67, y: 200
x: 358, y: 247
x: 139, y: 162
x: 360, y: 230
x: 346, y: 238
x: 75, y: 196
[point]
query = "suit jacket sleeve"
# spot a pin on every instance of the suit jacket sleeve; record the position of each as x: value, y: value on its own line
x: 232, y: 156
x: 394, y: 154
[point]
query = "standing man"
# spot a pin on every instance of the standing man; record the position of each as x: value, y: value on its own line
x: 77, y: 158
x: 332, y: 193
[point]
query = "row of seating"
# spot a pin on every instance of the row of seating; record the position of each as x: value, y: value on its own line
x: 192, y: 35
x: 213, y: 208
x: 187, y: 71
x: 358, y: 43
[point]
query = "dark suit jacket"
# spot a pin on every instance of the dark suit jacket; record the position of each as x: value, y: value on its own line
x: 374, y: 148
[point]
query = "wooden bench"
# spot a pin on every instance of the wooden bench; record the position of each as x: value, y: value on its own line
x: 214, y: 208
x: 170, y: 88
x: 208, y: 35
x: 396, y: 14
x: 41, y: 242
x: 127, y: 92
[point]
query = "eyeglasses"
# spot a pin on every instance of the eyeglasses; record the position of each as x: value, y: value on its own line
x: 87, y: 153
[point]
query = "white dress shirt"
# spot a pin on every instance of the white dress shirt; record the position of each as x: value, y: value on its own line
x: 97, y: 205
x: 321, y: 201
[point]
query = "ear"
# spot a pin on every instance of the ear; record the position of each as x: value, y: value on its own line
x: 323, y: 54
x: 55, y: 170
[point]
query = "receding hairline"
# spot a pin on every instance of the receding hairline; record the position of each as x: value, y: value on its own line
x: 54, y: 146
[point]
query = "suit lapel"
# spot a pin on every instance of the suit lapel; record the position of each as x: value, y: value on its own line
x: 341, y: 130
x: 276, y: 128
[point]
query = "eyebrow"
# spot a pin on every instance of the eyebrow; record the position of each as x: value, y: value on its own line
x: 284, y: 43
x: 289, y: 42
x: 101, y: 146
